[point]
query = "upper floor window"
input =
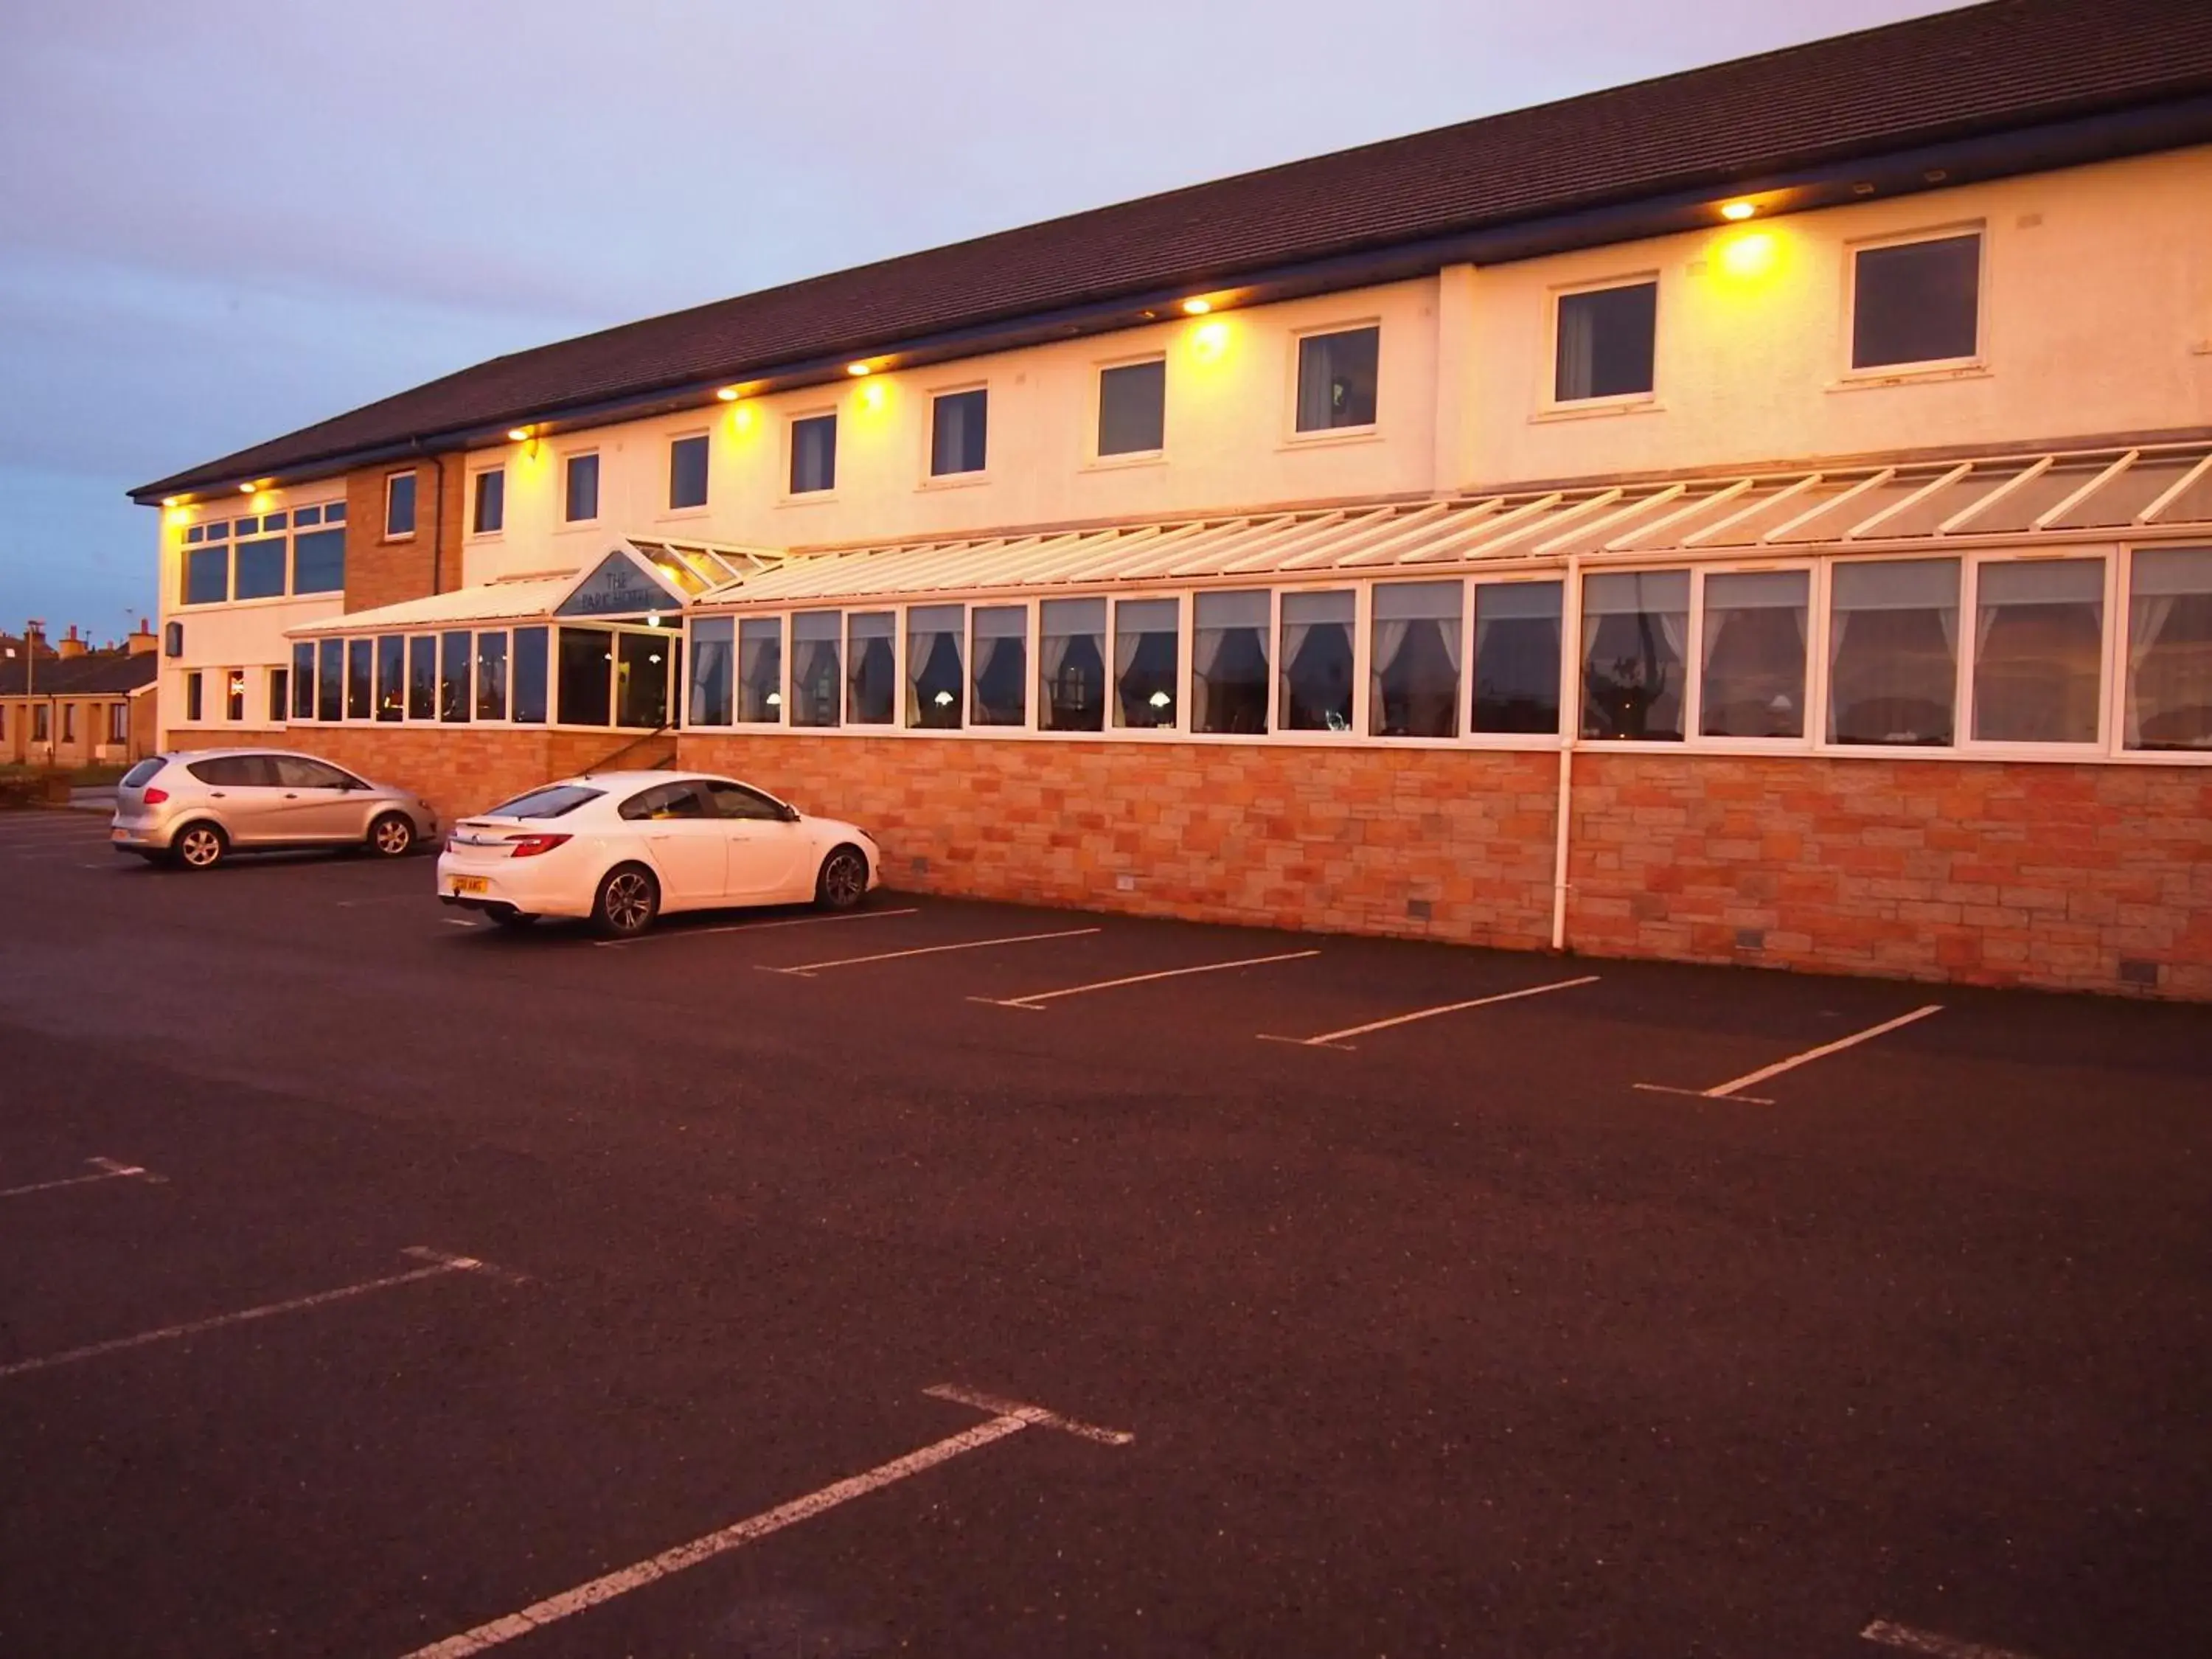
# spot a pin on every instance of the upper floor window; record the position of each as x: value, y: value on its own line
x: 1132, y: 407
x: 813, y: 454
x: 1336, y: 378
x: 1605, y: 343
x: 581, y: 492
x: 398, y: 505
x: 207, y: 575
x: 687, y: 472
x: 318, y: 560
x: 488, y: 515
x: 1916, y: 302
x: 260, y: 567
x: 957, y: 424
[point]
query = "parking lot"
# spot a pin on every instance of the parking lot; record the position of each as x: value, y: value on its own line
x: 954, y: 1278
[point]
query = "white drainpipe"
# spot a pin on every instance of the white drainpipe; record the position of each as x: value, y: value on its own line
x: 1570, y: 657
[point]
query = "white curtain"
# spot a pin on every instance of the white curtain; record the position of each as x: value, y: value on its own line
x: 1576, y: 365
x: 2147, y: 619
x: 1448, y: 633
x: 1389, y: 639
x: 1206, y: 645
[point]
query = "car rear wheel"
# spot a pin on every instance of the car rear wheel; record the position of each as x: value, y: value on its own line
x: 391, y: 836
x: 628, y: 901
x: 843, y: 882
x: 199, y: 847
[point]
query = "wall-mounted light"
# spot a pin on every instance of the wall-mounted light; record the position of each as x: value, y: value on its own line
x: 1738, y: 210
x: 728, y: 394
x: 519, y: 435
x: 859, y: 368
x: 173, y: 500
x: 247, y: 488
x: 1196, y: 307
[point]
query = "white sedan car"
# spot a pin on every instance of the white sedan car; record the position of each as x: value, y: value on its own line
x: 622, y: 848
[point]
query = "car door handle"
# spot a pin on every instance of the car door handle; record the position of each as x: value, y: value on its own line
x: 217, y: 793
x: 291, y: 795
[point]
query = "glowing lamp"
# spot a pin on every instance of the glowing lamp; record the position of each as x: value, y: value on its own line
x: 728, y: 394
x: 1738, y: 210
x: 858, y: 368
x: 519, y: 435
x: 1196, y: 307
x: 245, y: 489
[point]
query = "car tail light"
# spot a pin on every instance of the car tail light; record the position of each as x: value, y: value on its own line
x: 529, y: 846
x: 154, y: 797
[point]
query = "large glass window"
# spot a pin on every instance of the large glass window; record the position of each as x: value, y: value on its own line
x: 2039, y: 651
x: 1636, y: 628
x: 303, y: 681
x: 687, y: 472
x: 1336, y: 378
x: 207, y: 575
x: 319, y: 562
x: 1316, y: 658
x: 2169, y: 688
x: 1412, y: 683
x: 261, y: 567
x: 584, y: 680
x: 234, y: 704
x: 1132, y: 401
x: 279, y: 700
x: 1002, y: 669
x: 643, y: 675
x: 580, y: 495
x: 957, y: 424
x: 712, y: 678
x: 813, y: 454
x: 528, y: 703
x: 422, y: 678
x: 399, y: 505
x: 1144, y: 652
x: 934, y: 678
x: 359, y: 691
x: 1229, y: 667
x: 817, y: 679
x: 453, y: 675
x: 1915, y: 303
x: 871, y: 649
x: 489, y: 514
x: 1605, y: 343
x: 330, y: 680
x: 391, y: 677
x: 760, y: 670
x: 1753, y: 684
x: 1071, y: 664
x: 1517, y: 656
x: 491, y: 675
x: 1893, y: 651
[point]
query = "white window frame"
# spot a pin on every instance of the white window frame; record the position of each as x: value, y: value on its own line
x: 1321, y: 437
x: 1274, y: 589
x: 1928, y: 368
x: 1548, y: 402
x: 786, y: 495
x: 2109, y: 728
x: 668, y: 509
x: 507, y: 674
x: 1694, y: 694
x: 599, y: 497
x: 391, y: 482
x: 952, y: 480
x: 1094, y: 461
x: 476, y: 477
x: 1568, y: 727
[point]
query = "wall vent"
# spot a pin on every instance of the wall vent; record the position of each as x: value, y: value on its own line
x: 2134, y: 970
x: 1751, y: 938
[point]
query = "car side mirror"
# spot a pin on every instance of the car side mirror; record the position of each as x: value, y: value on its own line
x: 791, y: 814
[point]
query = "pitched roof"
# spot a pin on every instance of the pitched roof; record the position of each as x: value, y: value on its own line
x: 1992, y: 68
x: 97, y: 673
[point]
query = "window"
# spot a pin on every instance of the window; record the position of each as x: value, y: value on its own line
x: 586, y: 678
x: 453, y: 675
x: 303, y: 681
x: 1413, y: 689
x: 422, y: 678
x: 1517, y: 656
x: 734, y: 800
x: 1635, y: 628
x: 399, y: 506
x: 1133, y: 400
x: 319, y: 562
x: 641, y: 679
x: 1071, y: 664
x: 760, y: 670
x: 956, y: 432
x: 871, y: 680
x: 260, y: 567
x: 935, y: 682
x: 207, y: 575
x: 1336, y: 380
x: 1754, y: 673
x: 360, y: 700
x: 69, y: 713
x: 2169, y: 661
x: 118, y: 714
x: 491, y: 675
x: 488, y: 516
x: 39, y: 728
x: 813, y: 454
x: 391, y: 677
x: 1144, y: 652
x: 581, y: 493
x: 711, y: 640
x: 1893, y: 651
x: 2039, y: 651
x: 280, y: 694
x: 1229, y: 667
x: 665, y: 800
x: 1916, y: 302
x: 554, y: 800
x: 233, y: 700
x: 1316, y: 658
x: 1604, y: 345
x: 1002, y: 669
x: 687, y: 472
x: 817, y: 682
x: 298, y: 772
x: 527, y: 704
x: 330, y: 680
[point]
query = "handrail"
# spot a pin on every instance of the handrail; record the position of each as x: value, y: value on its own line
x: 606, y: 762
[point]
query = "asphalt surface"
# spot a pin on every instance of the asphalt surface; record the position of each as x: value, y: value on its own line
x: 1447, y: 1339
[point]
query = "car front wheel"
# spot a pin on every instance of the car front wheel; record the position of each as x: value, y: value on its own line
x: 199, y: 847
x: 843, y: 882
x: 391, y: 836
x: 628, y: 901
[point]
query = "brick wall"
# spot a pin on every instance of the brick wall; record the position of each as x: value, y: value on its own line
x: 457, y: 769
x: 381, y: 572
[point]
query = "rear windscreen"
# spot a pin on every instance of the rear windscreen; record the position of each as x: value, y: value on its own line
x: 549, y: 803
x: 142, y: 774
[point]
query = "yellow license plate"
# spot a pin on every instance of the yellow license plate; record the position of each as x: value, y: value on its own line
x: 119, y: 835
x: 470, y: 884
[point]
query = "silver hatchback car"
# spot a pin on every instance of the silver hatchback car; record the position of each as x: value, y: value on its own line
x: 197, y: 808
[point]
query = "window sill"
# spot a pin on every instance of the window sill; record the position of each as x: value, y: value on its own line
x: 568, y: 525
x: 808, y: 498
x: 955, y: 481
x: 1330, y: 438
x: 678, y: 514
x: 479, y: 537
x: 1911, y: 374
x: 388, y: 539
x: 1597, y: 409
x: 1136, y: 460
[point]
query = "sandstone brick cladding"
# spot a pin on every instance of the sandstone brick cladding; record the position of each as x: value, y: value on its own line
x: 381, y: 572
x: 461, y: 769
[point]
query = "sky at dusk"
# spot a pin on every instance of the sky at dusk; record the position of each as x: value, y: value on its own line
x: 228, y: 219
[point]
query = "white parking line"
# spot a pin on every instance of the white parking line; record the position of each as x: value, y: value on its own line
x: 1908, y: 1640
x: 1011, y: 1418
x: 755, y: 926
x: 807, y: 968
x: 440, y: 1264
x: 1728, y: 1090
x: 1335, y: 1039
x: 1034, y: 1000
x: 105, y: 1168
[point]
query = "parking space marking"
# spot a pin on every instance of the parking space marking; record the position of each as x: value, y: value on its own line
x: 1009, y: 1418
x: 437, y: 1264
x: 1908, y: 1640
x: 1335, y: 1039
x: 1034, y: 1000
x: 105, y: 1168
x: 1728, y: 1090
x: 805, y: 968
x: 755, y: 927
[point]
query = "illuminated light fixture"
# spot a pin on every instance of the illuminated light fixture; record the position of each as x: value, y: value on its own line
x: 1196, y: 307
x: 1738, y: 210
x: 173, y: 500
x: 653, y: 619
x: 519, y: 435
x: 245, y: 489
x: 728, y: 394
x: 859, y: 368
x: 1159, y: 699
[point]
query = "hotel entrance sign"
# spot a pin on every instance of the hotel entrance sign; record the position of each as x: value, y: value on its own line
x: 619, y: 587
